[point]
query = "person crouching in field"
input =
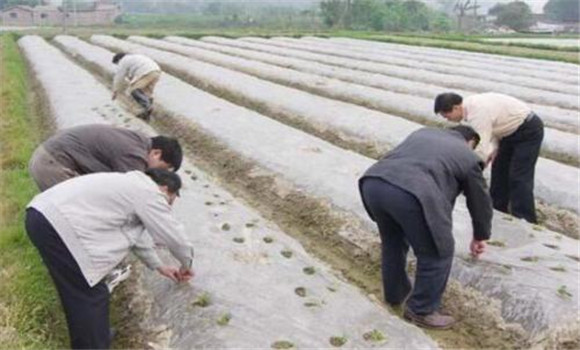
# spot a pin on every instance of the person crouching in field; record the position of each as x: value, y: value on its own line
x: 141, y: 74
x: 99, y: 148
x: 85, y: 226
x: 410, y: 194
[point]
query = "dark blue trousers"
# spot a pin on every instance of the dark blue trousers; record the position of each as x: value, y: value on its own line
x: 86, y: 308
x: 512, y: 172
x: 401, y: 222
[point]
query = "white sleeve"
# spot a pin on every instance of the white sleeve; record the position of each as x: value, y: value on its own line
x: 156, y: 215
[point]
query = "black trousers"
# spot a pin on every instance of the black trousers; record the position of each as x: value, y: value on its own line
x: 86, y: 308
x: 512, y: 172
x: 401, y: 222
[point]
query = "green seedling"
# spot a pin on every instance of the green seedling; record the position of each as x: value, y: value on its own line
x: 311, y: 304
x: 337, y: 341
x: 208, y: 203
x: 268, y: 239
x: 530, y: 259
x: 309, y: 270
x: 551, y: 246
x: 374, y: 336
x: 224, y: 320
x: 203, y: 300
x: 226, y: 227
x: 286, y: 253
x: 558, y: 268
x: 300, y: 291
x: 496, y: 243
x: 239, y: 240
x: 564, y: 293
x: 282, y: 344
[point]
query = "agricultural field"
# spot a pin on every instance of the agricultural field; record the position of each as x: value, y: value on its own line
x: 548, y: 42
x: 278, y: 131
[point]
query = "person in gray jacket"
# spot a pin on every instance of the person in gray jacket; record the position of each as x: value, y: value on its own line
x: 85, y: 226
x: 410, y: 194
x: 98, y: 148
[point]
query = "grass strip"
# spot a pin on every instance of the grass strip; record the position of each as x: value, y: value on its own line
x: 30, y: 312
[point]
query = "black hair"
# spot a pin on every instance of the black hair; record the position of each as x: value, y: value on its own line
x: 164, y: 177
x: 468, y: 133
x: 118, y: 57
x: 170, y: 148
x: 445, y: 102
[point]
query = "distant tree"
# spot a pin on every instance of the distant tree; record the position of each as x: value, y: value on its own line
x: 563, y: 10
x: 367, y: 14
x: 332, y: 12
x: 440, y: 22
x: 462, y: 8
x: 9, y: 3
x: 212, y: 9
x: 517, y: 15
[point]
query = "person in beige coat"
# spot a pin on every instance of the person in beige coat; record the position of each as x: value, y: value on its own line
x: 140, y: 74
x: 511, y: 138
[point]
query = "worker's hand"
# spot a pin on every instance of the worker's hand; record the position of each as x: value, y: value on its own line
x: 114, y: 97
x: 477, y: 248
x: 170, y: 272
x: 185, y: 275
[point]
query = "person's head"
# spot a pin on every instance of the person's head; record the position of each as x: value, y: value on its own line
x: 165, y: 153
x: 450, y: 106
x: 118, y: 57
x: 469, y: 134
x: 168, y: 182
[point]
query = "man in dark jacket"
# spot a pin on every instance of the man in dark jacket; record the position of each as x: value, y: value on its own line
x: 100, y: 148
x: 410, y: 194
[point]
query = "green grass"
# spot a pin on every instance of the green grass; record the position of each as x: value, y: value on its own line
x: 30, y: 313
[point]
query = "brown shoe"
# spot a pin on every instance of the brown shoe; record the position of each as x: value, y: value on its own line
x: 433, y: 320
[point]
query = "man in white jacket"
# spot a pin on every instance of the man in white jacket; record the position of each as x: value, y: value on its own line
x: 141, y: 74
x: 85, y: 226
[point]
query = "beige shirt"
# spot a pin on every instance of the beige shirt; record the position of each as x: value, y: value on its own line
x: 132, y: 68
x: 494, y: 116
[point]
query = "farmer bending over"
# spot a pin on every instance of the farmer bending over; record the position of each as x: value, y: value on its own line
x: 511, y: 137
x: 99, y: 148
x: 410, y: 194
x: 85, y: 226
x: 141, y: 74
